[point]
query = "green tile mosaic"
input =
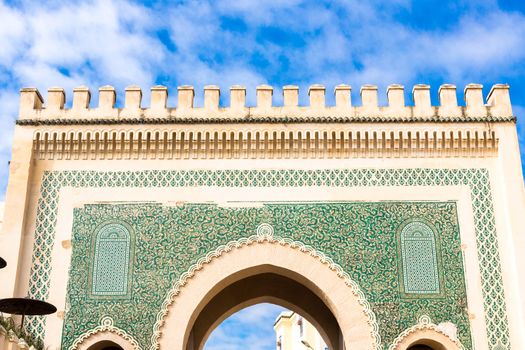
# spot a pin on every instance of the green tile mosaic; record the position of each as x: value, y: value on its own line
x: 476, y: 179
x: 360, y: 237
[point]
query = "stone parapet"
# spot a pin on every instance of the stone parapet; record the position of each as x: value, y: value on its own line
x: 497, y: 107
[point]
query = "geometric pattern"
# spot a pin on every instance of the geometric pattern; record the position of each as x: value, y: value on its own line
x: 111, y: 261
x: 477, y: 179
x: 419, y: 256
x: 172, y: 242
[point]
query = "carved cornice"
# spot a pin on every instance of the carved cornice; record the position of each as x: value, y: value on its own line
x: 271, y: 120
x: 279, y: 143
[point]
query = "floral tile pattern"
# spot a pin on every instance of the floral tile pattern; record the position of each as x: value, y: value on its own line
x: 386, y: 302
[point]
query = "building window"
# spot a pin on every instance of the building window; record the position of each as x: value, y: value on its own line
x: 111, y: 263
x: 419, y: 259
x: 280, y: 343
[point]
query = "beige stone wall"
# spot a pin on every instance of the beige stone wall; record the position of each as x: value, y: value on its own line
x: 358, y: 137
x: 288, y: 334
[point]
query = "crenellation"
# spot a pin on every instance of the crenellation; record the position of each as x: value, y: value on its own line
x: 30, y: 100
x: 499, y: 100
x: 369, y: 100
x: 56, y: 97
x: 291, y: 95
x: 237, y: 97
x: 81, y: 98
x: 473, y: 95
x: 264, y: 96
x: 133, y: 98
x: 106, y: 98
x: 159, y: 98
x: 447, y: 95
x: 212, y: 94
x: 421, y: 96
x: 448, y: 101
x: 396, y: 96
x: 497, y: 108
x: 396, y: 103
x: 185, y: 97
x: 343, y: 96
x: 317, y: 96
x: 422, y: 103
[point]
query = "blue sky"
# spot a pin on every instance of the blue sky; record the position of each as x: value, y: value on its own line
x: 248, y: 329
x: 251, y: 42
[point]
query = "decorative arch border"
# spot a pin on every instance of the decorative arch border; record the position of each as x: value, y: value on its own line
x: 106, y: 325
x: 265, y: 233
x: 477, y: 180
x: 425, y: 323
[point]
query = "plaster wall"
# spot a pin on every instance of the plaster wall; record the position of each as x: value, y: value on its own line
x: 288, y: 335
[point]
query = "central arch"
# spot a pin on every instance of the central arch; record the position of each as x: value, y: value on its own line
x: 265, y: 287
x: 267, y: 269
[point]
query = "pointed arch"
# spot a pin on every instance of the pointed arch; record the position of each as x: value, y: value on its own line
x: 105, y: 332
x: 263, y: 254
x: 437, y: 337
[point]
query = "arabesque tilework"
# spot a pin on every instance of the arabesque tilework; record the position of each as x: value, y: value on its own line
x: 476, y: 179
x: 171, y: 239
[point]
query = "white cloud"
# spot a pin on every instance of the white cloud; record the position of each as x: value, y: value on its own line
x: 12, y: 34
x: 69, y: 44
x: 9, y: 103
x: 299, y: 42
x: 352, y: 42
x: 250, y: 328
x: 258, y: 12
x: 487, y: 46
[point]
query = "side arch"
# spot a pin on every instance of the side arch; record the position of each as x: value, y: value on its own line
x: 437, y: 337
x: 106, y: 332
x: 264, y: 253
